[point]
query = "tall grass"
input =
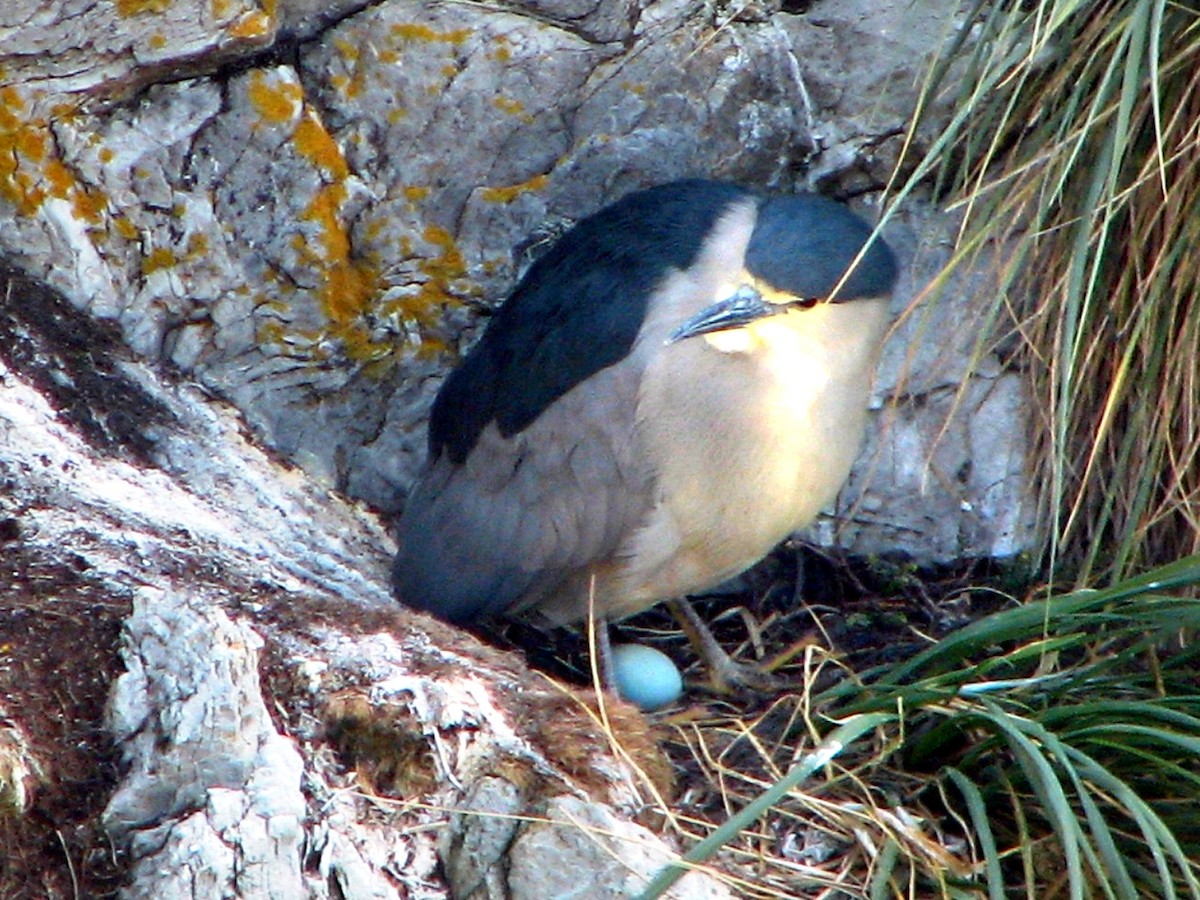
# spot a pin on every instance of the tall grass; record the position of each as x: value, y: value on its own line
x: 1048, y: 750
x: 1076, y: 153
x: 1059, y: 739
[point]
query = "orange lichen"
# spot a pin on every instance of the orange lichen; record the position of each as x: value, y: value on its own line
x: 106, y: 155
x: 509, y: 193
x: 508, y: 105
x: 60, y: 111
x: 349, y: 291
x: 252, y: 25
x: 349, y: 285
x: 157, y: 41
x: 444, y: 284
x: 450, y: 262
x: 412, y: 31
x: 125, y: 228
x: 276, y: 102
x: 374, y: 228
x: 323, y: 210
x: 59, y: 178
x: 502, y: 53
x: 346, y: 49
x: 221, y: 8
x: 197, y: 246
x: 88, y: 204
x: 30, y: 169
x: 271, y: 332
x: 158, y: 259
x: 319, y: 147
x: 127, y: 8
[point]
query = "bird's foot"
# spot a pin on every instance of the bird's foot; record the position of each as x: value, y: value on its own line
x: 725, y: 675
x: 728, y: 677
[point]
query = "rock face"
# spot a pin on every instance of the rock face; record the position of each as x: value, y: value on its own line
x: 278, y: 726
x: 301, y: 209
x: 310, y: 235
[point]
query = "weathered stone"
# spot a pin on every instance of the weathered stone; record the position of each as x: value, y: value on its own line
x: 308, y: 239
x: 549, y: 858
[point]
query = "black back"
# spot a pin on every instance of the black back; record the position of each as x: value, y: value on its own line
x: 577, y: 310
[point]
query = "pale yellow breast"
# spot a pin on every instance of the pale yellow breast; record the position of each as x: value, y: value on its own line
x: 752, y: 433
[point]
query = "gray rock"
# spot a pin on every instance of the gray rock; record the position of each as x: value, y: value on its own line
x: 313, y: 239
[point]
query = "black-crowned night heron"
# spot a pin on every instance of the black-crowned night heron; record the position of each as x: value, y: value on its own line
x: 675, y: 387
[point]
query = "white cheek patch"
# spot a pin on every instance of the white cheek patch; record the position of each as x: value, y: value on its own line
x: 733, y: 340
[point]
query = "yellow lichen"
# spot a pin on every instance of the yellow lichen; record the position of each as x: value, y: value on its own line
x: 374, y: 228
x: 197, y: 246
x: 158, y: 259
x: 510, y: 192
x: 271, y: 332
x: 59, y: 178
x: 348, y: 50
x: 254, y: 24
x: 349, y: 291
x: 319, y: 148
x: 88, y: 204
x: 323, y: 210
x: 125, y: 228
x: 508, y: 105
x: 30, y: 169
x: 276, y: 102
x: 127, y: 8
x: 349, y: 284
x: 157, y: 41
x: 106, y: 155
x: 412, y: 31
x: 221, y: 8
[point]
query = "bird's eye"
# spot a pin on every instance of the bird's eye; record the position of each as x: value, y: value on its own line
x: 804, y: 302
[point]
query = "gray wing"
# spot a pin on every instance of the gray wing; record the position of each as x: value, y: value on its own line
x: 523, y: 514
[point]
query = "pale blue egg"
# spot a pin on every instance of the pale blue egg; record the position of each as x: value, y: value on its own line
x: 645, y: 677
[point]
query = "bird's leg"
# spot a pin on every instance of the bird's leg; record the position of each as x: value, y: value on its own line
x: 602, y: 647
x: 724, y: 673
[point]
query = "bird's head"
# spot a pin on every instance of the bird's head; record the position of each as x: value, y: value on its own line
x: 804, y: 250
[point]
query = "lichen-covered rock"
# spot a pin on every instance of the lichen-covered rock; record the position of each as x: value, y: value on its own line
x: 281, y: 728
x: 311, y: 237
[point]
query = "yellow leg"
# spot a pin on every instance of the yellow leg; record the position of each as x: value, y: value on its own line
x: 725, y: 675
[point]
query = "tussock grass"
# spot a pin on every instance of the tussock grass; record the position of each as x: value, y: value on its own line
x: 1051, y: 749
x: 1076, y: 150
x: 1048, y: 750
